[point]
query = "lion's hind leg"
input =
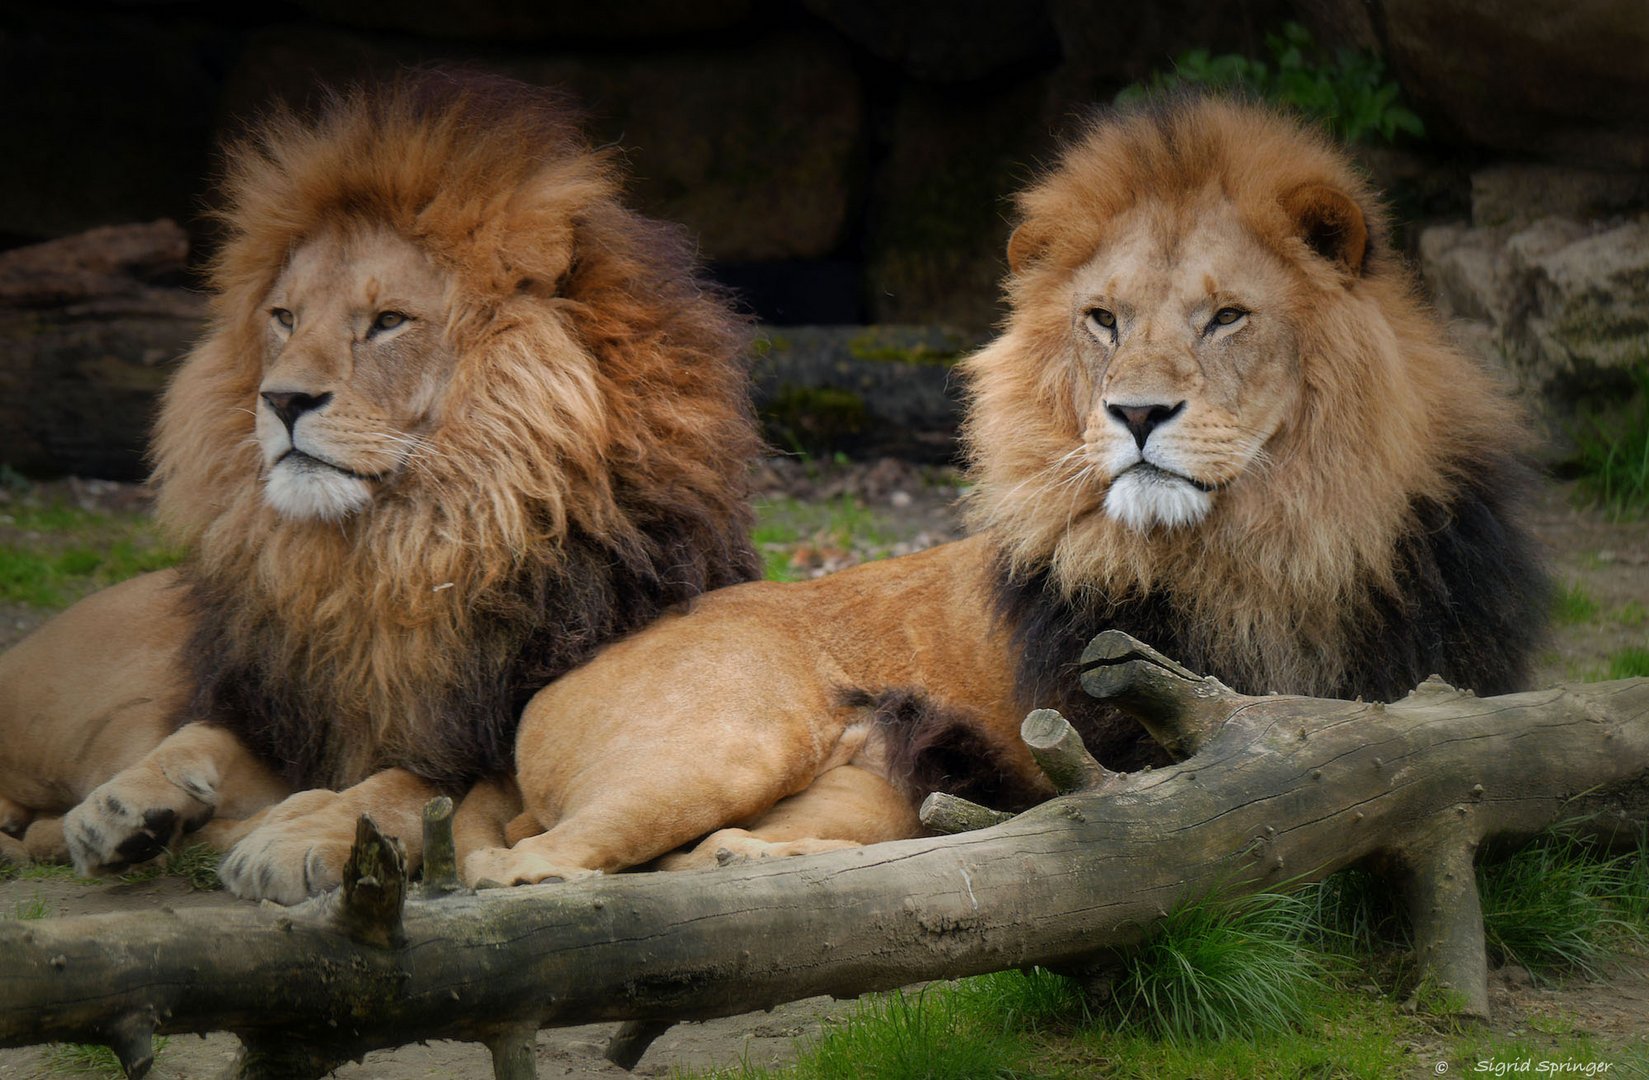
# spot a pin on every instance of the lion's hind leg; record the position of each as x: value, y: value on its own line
x: 845, y: 807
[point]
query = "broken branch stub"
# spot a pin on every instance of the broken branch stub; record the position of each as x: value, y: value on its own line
x: 949, y: 814
x: 1179, y: 708
x: 1059, y: 752
x: 370, y: 900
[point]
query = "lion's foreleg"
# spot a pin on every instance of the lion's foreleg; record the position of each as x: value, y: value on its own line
x: 299, y: 848
x: 177, y: 787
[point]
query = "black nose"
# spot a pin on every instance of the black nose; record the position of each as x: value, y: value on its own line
x: 1141, y: 420
x: 290, y: 406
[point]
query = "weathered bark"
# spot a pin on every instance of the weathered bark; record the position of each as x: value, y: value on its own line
x: 1286, y: 790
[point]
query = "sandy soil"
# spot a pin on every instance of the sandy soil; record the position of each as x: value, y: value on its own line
x: 911, y: 508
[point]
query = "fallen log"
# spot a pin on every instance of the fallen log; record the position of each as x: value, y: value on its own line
x: 1276, y: 789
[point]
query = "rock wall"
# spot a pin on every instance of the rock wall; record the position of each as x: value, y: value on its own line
x: 841, y: 162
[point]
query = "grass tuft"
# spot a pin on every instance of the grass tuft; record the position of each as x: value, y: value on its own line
x: 36, y: 908
x: 1226, y: 969
x: 1572, y: 605
x: 1557, y: 906
x: 90, y: 1059
x: 1629, y: 664
x: 1031, y: 1000
x: 1614, y: 458
x: 927, y: 1035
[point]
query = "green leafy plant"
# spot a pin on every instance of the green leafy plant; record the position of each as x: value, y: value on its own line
x: 1344, y: 88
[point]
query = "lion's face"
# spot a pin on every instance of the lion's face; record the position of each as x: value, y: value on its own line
x: 1187, y: 365
x: 355, y: 364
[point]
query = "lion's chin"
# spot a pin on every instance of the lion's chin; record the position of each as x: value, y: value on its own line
x: 304, y: 489
x: 1145, y: 496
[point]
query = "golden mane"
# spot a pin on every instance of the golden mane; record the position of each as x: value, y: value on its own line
x: 1391, y: 417
x: 586, y: 470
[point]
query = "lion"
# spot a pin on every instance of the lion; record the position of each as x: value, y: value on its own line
x: 460, y: 417
x: 1217, y: 418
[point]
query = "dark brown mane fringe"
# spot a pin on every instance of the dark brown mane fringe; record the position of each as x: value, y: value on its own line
x: 1471, y: 606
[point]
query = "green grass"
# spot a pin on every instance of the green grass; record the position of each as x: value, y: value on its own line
x: 1629, y: 664
x: 197, y: 864
x: 1293, y: 986
x: 1573, y: 605
x: 86, y: 1059
x: 1613, y: 457
x: 842, y: 523
x: 35, y: 908
x: 1356, y: 1036
x: 1223, y: 970
x: 52, y: 553
x: 1556, y: 906
x: 44, y: 872
x: 1345, y: 89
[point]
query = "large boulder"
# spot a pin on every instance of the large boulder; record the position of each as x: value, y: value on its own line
x: 1562, y: 80
x: 754, y: 145
x: 940, y: 208
x: 952, y: 41
x: 89, y: 328
x: 862, y: 390
x: 1562, y: 304
x: 107, y: 118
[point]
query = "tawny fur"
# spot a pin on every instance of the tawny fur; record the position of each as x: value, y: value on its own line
x: 580, y: 466
x: 1356, y: 484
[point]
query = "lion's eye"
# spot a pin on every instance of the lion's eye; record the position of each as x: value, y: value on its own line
x: 387, y: 320
x: 1225, y: 316
x: 1104, y: 319
x: 282, y: 316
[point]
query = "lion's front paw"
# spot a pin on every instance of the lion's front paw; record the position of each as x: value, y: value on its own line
x: 133, y: 818
x: 288, y: 861
x: 497, y: 867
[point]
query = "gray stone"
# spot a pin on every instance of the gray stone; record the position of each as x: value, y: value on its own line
x: 1562, y: 80
x: 940, y: 210
x: 1520, y: 194
x: 756, y: 146
x: 1584, y: 317
x: 89, y: 328
x: 942, y: 40
x: 862, y: 390
x: 1562, y: 305
x: 514, y: 21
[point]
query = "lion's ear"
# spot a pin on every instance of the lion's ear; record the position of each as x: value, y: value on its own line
x: 1331, y: 224
x: 1024, y: 245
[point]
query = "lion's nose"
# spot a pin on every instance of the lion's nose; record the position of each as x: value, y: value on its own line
x: 1141, y: 420
x: 289, y: 405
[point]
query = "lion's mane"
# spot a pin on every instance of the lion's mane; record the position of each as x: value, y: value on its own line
x: 1380, y: 543
x: 564, y: 498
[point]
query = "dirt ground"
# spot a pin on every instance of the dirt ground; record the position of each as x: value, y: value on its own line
x: 907, y: 508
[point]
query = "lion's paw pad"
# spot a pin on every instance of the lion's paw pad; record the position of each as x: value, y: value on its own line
x: 121, y: 824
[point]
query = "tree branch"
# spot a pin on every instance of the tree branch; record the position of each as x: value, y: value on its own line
x: 1280, y: 789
